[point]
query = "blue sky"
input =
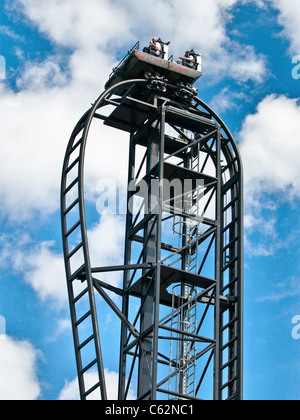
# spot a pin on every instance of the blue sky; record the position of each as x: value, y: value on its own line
x: 58, y: 55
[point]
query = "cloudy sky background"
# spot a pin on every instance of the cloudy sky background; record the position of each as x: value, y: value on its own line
x: 58, y: 56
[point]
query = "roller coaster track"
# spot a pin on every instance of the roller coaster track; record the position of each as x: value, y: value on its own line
x: 81, y: 283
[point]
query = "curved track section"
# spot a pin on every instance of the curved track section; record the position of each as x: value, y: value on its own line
x: 76, y: 251
x: 80, y: 281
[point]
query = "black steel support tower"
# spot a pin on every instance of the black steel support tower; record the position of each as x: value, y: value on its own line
x: 182, y: 296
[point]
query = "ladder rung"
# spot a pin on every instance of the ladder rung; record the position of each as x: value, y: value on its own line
x: 230, y: 263
x: 76, y: 161
x: 71, y: 206
x: 230, y: 284
x: 230, y: 204
x: 73, y: 228
x: 230, y: 323
x: 76, y: 274
x: 229, y: 184
x: 73, y: 252
x: 231, y: 224
x: 89, y: 366
x: 80, y: 295
x: 83, y: 318
x: 232, y: 397
x: 71, y: 186
x: 87, y: 341
x: 229, y: 383
x: 87, y: 393
x: 75, y: 145
x: 234, y: 359
x: 229, y: 343
x: 230, y: 243
x: 224, y: 169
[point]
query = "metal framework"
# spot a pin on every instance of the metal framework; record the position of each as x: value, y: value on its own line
x: 182, y: 296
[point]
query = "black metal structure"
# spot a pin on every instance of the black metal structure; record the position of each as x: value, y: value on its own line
x: 182, y: 296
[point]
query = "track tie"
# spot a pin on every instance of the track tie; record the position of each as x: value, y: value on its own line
x: 87, y: 393
x: 71, y: 186
x: 74, y: 227
x: 87, y: 341
x: 83, y: 318
x: 89, y: 366
x: 77, y: 273
x: 76, y: 249
x: 76, y: 161
x: 71, y: 206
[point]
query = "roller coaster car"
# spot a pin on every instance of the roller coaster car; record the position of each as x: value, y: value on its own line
x: 134, y: 109
x: 137, y: 63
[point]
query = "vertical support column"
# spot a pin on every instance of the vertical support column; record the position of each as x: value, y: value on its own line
x: 151, y: 284
x: 147, y: 381
x: 148, y: 285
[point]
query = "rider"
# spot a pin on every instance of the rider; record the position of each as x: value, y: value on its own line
x: 189, y: 59
x: 158, y: 48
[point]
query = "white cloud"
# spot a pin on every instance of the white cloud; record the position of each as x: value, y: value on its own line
x: 18, y: 367
x: 280, y: 291
x: 63, y: 328
x: 5, y: 30
x: 79, y: 25
x: 205, y: 22
x: 34, y: 129
x: 249, y: 66
x: 106, y: 240
x: 41, y: 267
x: 270, y: 146
x: 289, y: 18
x: 36, y: 75
x: 71, y: 392
x: 226, y: 100
x: 44, y: 272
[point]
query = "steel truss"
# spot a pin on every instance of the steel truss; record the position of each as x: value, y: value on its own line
x: 182, y: 296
